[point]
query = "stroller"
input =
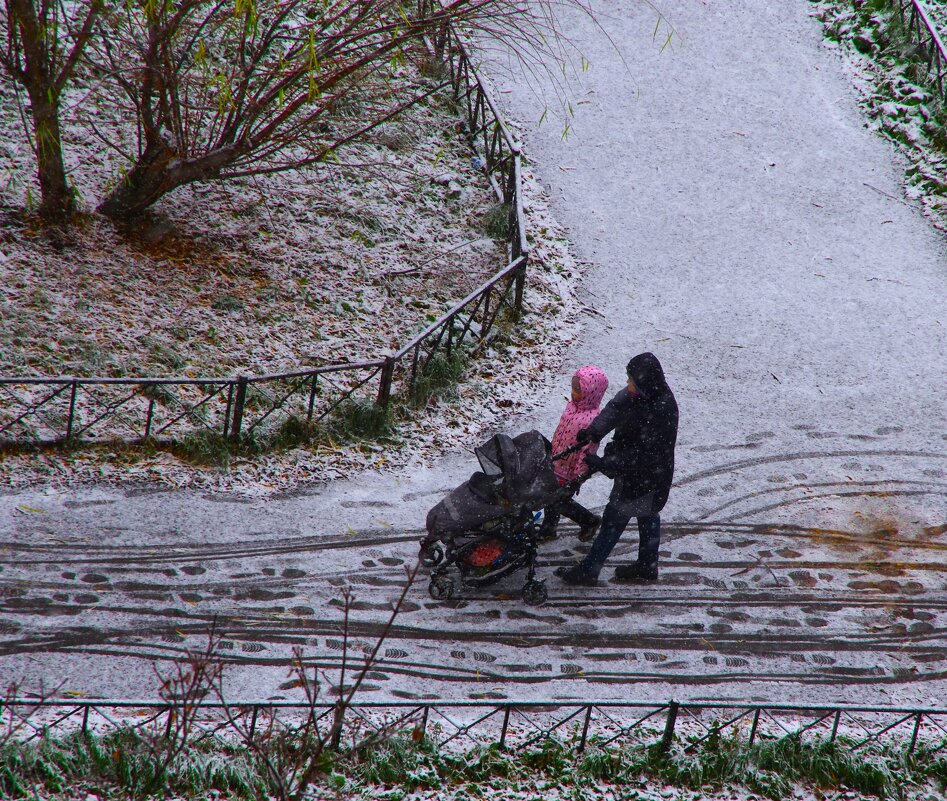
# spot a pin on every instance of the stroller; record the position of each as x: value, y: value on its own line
x: 487, y: 528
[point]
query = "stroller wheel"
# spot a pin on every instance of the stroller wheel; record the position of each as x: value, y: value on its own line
x: 432, y: 554
x: 441, y: 588
x: 535, y: 593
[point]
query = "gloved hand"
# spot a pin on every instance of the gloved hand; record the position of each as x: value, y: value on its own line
x: 594, y: 461
x: 583, y: 436
x: 599, y: 465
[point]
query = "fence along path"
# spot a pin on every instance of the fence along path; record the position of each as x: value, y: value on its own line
x: 515, y: 726
x: 916, y: 20
x: 73, y: 409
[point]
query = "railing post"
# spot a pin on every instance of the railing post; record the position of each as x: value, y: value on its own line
x: 384, y: 387
x: 668, y: 737
x: 150, y: 417
x: 917, y: 728
x: 228, y: 410
x: 72, y: 408
x: 756, y: 723
x: 312, y: 396
x: 585, y: 728
x: 256, y: 709
x: 940, y: 75
x: 238, y: 404
x: 506, y: 724
x: 414, y: 367
x: 509, y: 198
x: 338, y: 719
x: 838, y: 717
x: 85, y: 720
x: 519, y: 286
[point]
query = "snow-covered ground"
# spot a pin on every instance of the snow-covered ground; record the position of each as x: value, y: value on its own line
x: 740, y: 221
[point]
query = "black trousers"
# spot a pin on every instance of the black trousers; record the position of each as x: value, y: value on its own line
x: 613, y: 524
x: 572, y: 509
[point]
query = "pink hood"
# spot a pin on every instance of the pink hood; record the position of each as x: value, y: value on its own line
x: 593, y: 383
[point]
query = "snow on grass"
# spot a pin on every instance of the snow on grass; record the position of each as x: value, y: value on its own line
x: 272, y: 274
x: 254, y: 275
x: 894, y: 91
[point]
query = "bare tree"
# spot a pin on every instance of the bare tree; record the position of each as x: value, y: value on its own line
x: 182, y: 689
x: 42, y: 42
x: 222, y: 89
x: 15, y: 716
x: 295, y: 756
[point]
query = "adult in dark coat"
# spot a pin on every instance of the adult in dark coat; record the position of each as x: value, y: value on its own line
x: 640, y: 459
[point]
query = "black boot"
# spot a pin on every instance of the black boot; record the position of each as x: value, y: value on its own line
x: 577, y: 576
x: 546, y: 533
x: 547, y: 529
x: 636, y: 572
x: 587, y: 532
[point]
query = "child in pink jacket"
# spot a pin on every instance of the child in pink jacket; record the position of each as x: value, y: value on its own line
x: 588, y: 388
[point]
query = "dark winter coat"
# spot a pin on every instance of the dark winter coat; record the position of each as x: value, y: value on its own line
x: 642, y: 449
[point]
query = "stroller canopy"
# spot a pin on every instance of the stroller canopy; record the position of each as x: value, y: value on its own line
x: 518, y: 468
x: 516, y: 474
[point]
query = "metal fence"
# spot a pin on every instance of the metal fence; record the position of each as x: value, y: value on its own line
x: 916, y: 20
x: 514, y: 726
x: 73, y: 409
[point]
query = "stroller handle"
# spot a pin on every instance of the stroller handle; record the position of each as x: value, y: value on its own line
x: 568, y: 451
x: 577, y: 482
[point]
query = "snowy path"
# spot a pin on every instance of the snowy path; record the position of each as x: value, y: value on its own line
x: 744, y: 225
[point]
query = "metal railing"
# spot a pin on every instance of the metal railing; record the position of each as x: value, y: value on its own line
x: 74, y: 409
x: 517, y: 725
x: 917, y: 21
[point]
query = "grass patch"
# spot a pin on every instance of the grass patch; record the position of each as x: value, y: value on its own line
x: 271, y: 420
x: 496, y: 222
x: 293, y: 432
x: 358, y: 420
x: 123, y: 762
x: 227, y: 303
x: 205, y: 448
x: 772, y: 769
x: 901, y: 97
x: 440, y: 376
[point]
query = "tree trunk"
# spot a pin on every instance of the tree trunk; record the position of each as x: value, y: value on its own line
x: 160, y: 170
x: 58, y: 199
x: 147, y: 181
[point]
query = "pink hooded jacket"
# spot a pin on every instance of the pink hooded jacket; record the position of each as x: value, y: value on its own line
x: 593, y: 383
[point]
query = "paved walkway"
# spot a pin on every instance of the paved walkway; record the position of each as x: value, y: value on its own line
x: 744, y: 225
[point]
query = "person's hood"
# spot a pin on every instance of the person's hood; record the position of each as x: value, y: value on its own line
x: 593, y: 383
x: 646, y: 371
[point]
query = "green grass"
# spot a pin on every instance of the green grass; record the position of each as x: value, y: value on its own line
x: 228, y: 303
x: 769, y: 768
x: 902, y: 100
x: 205, y: 448
x: 355, y: 420
x: 124, y: 763
x: 440, y: 377
x: 496, y: 222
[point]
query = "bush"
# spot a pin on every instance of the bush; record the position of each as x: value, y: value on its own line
x: 206, y: 448
x: 441, y: 373
x: 496, y: 222
x: 357, y: 420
